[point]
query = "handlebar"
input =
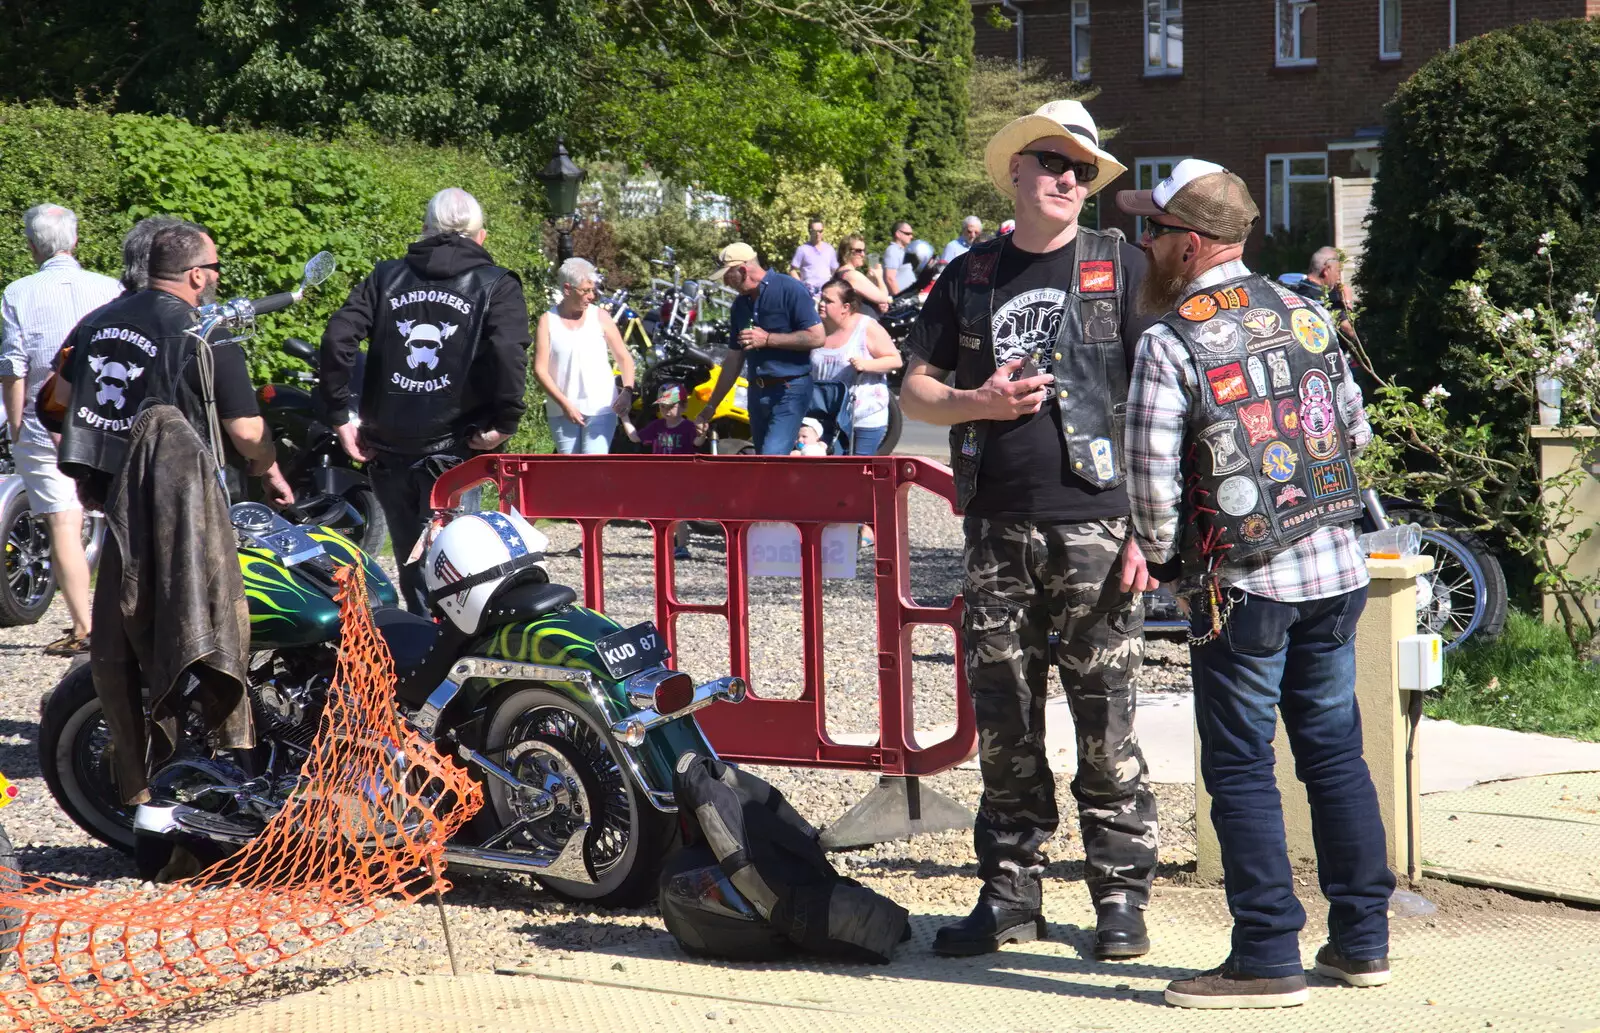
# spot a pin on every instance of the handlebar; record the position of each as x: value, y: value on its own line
x: 273, y: 303
x: 700, y: 355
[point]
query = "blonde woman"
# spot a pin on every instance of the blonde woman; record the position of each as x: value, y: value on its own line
x: 872, y: 297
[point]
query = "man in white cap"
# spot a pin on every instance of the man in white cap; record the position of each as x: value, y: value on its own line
x: 1242, y: 422
x: 1037, y: 329
x: 772, y: 328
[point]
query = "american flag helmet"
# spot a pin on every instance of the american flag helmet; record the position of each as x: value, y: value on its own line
x: 474, y: 556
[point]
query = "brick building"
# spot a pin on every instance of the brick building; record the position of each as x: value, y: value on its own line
x: 1287, y: 93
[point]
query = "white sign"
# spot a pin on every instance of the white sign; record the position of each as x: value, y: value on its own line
x: 773, y: 550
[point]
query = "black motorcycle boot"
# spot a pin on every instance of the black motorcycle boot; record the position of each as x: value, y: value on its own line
x: 1119, y: 931
x: 991, y: 925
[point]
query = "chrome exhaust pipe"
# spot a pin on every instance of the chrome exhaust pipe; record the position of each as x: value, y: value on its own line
x: 569, y: 864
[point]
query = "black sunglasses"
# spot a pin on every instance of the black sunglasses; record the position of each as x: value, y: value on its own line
x: 1056, y: 164
x: 215, y: 267
x: 1154, y: 230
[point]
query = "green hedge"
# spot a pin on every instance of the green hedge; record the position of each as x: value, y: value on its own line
x: 1485, y: 148
x: 270, y: 199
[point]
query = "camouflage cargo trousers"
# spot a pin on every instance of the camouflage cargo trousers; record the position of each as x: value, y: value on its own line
x: 1023, y: 581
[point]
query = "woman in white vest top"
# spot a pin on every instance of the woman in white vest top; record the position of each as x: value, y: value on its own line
x: 575, y: 344
x: 858, y: 353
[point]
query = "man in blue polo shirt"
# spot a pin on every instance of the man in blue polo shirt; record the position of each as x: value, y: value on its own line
x: 772, y: 329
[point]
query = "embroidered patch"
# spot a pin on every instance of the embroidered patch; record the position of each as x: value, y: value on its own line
x: 1257, y: 420
x: 1262, y: 322
x: 1341, y: 506
x: 1198, y: 309
x: 1295, y: 520
x: 1226, y: 455
x: 1278, y: 367
x: 980, y: 268
x: 1255, y: 528
x: 1290, y: 299
x: 1258, y: 375
x: 1291, y: 495
x: 1279, y: 461
x: 1097, y: 277
x: 1217, y: 335
x: 1316, y: 415
x: 1330, y: 479
x: 1310, y: 330
x: 1237, y: 495
x: 1104, y: 468
x: 972, y: 341
x: 1227, y: 383
x: 969, y: 443
x: 1232, y: 297
x: 1289, y: 418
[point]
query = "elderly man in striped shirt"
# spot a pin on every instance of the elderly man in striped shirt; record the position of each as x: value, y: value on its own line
x: 1242, y: 421
x: 38, y: 312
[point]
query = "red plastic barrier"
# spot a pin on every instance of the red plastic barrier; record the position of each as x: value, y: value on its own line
x: 738, y: 492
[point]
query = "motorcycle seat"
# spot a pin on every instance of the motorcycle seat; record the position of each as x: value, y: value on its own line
x: 527, y: 601
x: 422, y: 650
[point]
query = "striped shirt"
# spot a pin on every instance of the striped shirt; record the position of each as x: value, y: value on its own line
x: 1165, y: 386
x: 36, y: 315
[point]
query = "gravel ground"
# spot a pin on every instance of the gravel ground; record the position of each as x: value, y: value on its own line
x: 498, y: 919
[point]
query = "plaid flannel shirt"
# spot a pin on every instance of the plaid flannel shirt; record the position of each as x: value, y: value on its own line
x: 1165, y: 385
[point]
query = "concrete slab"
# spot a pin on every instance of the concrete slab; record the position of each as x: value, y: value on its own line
x: 1538, y: 835
x: 1455, y: 971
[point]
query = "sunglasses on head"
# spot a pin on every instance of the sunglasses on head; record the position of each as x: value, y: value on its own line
x: 1057, y: 164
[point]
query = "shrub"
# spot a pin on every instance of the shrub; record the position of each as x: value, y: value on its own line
x: 271, y: 200
x: 1487, y: 147
x: 775, y: 228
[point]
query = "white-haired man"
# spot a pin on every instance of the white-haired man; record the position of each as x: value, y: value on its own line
x: 971, y: 230
x: 447, y: 365
x: 38, y: 312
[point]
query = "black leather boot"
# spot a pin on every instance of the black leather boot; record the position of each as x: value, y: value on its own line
x: 1119, y: 932
x: 990, y: 926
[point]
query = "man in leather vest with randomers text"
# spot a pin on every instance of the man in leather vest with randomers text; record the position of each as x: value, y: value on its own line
x: 1243, y: 419
x: 447, y: 365
x: 1024, y: 350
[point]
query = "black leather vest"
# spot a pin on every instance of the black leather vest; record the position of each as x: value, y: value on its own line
x: 128, y: 354
x: 1268, y: 459
x: 424, y: 339
x: 1085, y: 353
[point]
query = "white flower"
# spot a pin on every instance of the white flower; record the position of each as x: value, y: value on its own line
x: 1527, y: 314
x: 1582, y: 302
x: 1435, y: 394
x: 1547, y: 238
x: 1475, y: 298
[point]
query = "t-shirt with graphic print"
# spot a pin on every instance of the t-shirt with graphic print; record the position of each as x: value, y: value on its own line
x: 1025, y: 473
x: 669, y: 441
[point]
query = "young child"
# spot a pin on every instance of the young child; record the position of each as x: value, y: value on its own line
x: 810, y: 438
x: 670, y: 435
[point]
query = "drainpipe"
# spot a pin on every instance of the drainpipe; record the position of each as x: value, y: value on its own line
x: 1452, y: 22
x: 1017, y: 13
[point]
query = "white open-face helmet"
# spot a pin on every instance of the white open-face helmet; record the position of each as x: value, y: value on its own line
x: 475, y: 555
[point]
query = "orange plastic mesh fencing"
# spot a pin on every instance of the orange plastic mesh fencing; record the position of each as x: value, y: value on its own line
x: 358, y: 837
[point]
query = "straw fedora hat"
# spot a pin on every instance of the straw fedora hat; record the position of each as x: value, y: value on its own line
x: 1066, y: 118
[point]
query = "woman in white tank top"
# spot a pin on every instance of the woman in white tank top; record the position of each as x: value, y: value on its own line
x: 574, y: 345
x: 858, y: 353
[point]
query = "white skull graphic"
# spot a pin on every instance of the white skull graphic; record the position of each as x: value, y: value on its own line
x: 113, y: 379
x: 424, y: 341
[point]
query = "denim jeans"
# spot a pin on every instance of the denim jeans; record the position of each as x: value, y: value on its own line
x: 775, y: 415
x: 865, y: 440
x: 592, y: 437
x: 1297, y: 659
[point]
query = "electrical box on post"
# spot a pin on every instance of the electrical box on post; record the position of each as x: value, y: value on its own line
x: 1421, y: 662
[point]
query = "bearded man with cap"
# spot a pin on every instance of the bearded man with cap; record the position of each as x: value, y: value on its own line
x: 1023, y: 349
x: 1242, y: 422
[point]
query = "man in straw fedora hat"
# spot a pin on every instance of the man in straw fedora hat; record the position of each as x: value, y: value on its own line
x: 1242, y: 422
x: 1023, y: 350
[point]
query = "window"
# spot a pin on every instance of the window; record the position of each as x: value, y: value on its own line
x: 1080, y: 40
x: 1297, y: 194
x: 1147, y: 172
x: 1389, y: 29
x: 1297, y: 32
x: 1163, y: 33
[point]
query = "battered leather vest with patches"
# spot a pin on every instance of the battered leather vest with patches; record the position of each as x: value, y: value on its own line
x: 425, y: 336
x: 1087, y: 358
x: 133, y: 354
x: 1268, y: 459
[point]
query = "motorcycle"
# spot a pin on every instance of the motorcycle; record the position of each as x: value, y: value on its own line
x: 10, y: 881
x: 309, y: 453
x: 572, y: 722
x: 904, y: 308
x: 29, y: 581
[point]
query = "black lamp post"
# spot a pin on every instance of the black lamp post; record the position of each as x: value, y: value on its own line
x: 561, y: 178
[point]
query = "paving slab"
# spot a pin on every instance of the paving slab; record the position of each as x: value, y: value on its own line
x: 1537, y: 835
x: 1456, y: 970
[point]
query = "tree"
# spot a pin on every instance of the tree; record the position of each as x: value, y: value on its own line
x: 936, y: 134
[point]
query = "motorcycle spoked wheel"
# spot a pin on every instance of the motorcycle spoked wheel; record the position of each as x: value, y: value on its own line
x: 29, y: 581
x: 76, y: 756
x: 627, y: 839
x: 1464, y: 596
